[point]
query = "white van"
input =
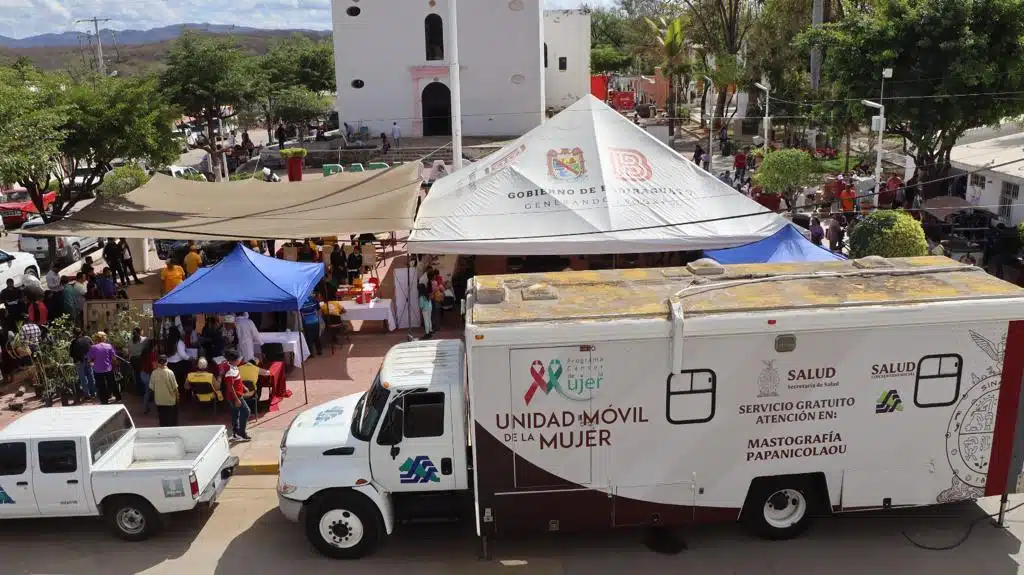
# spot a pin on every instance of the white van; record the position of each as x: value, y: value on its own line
x: 656, y: 397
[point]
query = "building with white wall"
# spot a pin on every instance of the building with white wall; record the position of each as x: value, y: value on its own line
x: 996, y: 188
x: 392, y: 61
x: 566, y: 57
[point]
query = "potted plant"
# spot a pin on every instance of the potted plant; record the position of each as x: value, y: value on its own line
x: 293, y: 158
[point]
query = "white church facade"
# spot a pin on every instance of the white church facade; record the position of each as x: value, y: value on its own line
x: 392, y: 61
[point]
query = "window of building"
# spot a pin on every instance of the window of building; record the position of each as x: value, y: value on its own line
x: 563, y: 63
x: 357, y: 83
x: 545, y: 54
x: 938, y: 380
x: 424, y: 415
x: 690, y: 397
x: 433, y: 30
x: 13, y: 458
x: 1007, y: 197
x: 977, y: 180
x: 353, y: 11
x: 58, y: 457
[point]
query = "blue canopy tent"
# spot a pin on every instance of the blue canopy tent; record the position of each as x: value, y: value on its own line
x: 785, y: 245
x: 244, y: 281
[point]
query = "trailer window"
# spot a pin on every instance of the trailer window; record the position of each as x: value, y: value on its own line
x: 690, y: 396
x: 938, y: 380
x: 424, y: 415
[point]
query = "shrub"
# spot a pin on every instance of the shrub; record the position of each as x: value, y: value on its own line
x: 889, y: 234
x: 122, y: 180
x: 293, y: 153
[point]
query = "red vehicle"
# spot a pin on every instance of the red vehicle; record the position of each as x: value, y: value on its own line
x: 17, y: 207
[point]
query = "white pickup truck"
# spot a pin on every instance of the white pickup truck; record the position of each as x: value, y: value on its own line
x: 92, y: 460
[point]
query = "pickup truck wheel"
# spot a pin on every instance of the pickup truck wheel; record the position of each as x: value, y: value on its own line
x: 343, y: 526
x: 31, y: 271
x: 132, y: 518
x: 76, y: 253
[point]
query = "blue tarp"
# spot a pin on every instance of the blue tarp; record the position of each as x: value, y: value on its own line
x: 243, y: 281
x: 785, y: 245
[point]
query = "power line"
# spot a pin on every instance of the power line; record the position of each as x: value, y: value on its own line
x: 101, y: 65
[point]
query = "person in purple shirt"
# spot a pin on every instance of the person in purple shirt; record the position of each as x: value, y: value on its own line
x: 102, y: 358
x: 105, y: 284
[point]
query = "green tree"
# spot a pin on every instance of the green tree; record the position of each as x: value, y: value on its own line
x: 787, y: 172
x: 675, y: 61
x: 301, y: 61
x: 954, y: 63
x: 32, y: 130
x: 205, y: 75
x: 297, y: 105
x: 889, y: 234
x: 605, y: 59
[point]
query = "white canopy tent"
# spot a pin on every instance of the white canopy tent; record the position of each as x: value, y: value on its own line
x: 587, y: 181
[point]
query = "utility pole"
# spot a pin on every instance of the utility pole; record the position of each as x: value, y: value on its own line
x: 99, y: 42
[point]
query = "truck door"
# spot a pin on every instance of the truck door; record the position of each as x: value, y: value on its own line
x: 59, y: 478
x: 551, y: 391
x: 414, y: 450
x: 16, y: 496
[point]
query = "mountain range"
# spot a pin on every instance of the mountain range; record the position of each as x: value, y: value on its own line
x: 136, y: 37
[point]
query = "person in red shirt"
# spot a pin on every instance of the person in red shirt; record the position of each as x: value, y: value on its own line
x: 37, y: 312
x: 234, y: 392
x: 739, y: 163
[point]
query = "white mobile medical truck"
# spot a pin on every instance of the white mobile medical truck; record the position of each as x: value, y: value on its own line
x: 658, y: 397
x: 92, y: 460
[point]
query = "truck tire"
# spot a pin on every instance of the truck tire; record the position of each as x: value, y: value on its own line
x: 32, y: 271
x: 343, y: 525
x: 132, y: 518
x: 779, y: 508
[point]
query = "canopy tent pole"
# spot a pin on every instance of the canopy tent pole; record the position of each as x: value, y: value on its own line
x: 302, y: 353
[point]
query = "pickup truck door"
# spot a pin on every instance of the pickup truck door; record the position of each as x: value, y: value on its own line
x: 413, y: 450
x: 16, y: 496
x: 59, y: 477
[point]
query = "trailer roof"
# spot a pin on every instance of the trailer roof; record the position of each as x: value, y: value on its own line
x: 705, y: 288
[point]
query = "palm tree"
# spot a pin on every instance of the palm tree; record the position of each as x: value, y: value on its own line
x: 675, y: 60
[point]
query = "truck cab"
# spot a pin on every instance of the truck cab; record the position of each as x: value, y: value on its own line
x: 353, y: 466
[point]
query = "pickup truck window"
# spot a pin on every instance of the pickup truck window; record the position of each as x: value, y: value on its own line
x: 108, y: 434
x: 57, y: 457
x: 424, y: 415
x: 13, y: 458
x: 369, y: 410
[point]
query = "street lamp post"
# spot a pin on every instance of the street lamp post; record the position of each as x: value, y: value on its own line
x: 711, y: 119
x: 767, y: 117
x: 877, y: 124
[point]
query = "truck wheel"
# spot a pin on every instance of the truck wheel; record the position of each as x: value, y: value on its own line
x: 31, y: 271
x: 343, y: 526
x: 132, y: 518
x: 779, y: 510
x: 76, y: 253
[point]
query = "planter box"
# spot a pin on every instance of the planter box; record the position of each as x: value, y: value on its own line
x: 294, y: 169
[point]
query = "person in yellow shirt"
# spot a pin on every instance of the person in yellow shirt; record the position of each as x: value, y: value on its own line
x: 193, y: 260
x: 171, y: 276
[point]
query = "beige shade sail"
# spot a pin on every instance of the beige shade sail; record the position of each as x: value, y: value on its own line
x: 171, y: 208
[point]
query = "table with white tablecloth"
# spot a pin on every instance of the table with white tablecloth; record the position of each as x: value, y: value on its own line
x: 377, y: 310
x: 290, y: 340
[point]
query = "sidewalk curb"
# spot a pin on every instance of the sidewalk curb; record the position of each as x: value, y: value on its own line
x: 258, y: 468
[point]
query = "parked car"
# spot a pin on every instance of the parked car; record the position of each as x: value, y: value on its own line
x: 17, y: 206
x: 184, y: 172
x: 15, y: 265
x: 69, y: 248
x: 92, y: 460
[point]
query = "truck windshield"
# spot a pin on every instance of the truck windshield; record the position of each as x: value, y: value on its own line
x: 109, y: 433
x: 369, y: 409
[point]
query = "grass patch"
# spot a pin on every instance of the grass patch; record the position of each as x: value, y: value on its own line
x: 835, y: 166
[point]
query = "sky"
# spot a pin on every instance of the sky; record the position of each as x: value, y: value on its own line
x: 22, y: 18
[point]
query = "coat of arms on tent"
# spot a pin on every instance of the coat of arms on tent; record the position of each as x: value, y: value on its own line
x: 566, y: 165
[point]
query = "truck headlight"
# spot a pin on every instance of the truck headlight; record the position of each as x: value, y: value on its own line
x: 285, y: 488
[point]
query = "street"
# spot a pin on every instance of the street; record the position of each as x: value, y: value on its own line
x: 245, y: 534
